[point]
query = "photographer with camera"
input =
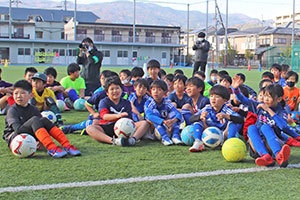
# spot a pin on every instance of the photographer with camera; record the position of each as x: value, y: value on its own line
x: 201, y: 47
x: 90, y: 59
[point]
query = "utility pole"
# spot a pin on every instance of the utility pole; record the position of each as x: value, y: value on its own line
x: 188, y: 30
x: 293, y: 29
x: 9, y: 25
x: 74, y: 19
x: 134, y: 16
x: 216, y: 34
x: 206, y: 18
x: 226, y: 35
x: 65, y: 2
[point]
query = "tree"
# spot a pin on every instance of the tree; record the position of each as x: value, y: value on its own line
x: 231, y: 52
x: 248, y: 54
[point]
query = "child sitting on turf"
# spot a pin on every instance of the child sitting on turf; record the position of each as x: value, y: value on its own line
x: 213, y: 77
x: 201, y: 75
x: 217, y: 114
x: 291, y: 93
x: 25, y: 118
x: 162, y: 74
x: 153, y: 68
x: 103, y: 76
x: 44, y: 98
x: 179, y: 97
x: 267, y: 75
x: 138, y: 99
x: 74, y: 85
x: 136, y: 73
x: 125, y: 76
x: 276, y: 71
x: 169, y: 80
x: 194, y: 89
x: 271, y: 121
x: 29, y: 72
x: 54, y: 85
x: 161, y: 112
x: 5, y: 94
x: 226, y: 82
x: 178, y: 71
x: 112, y: 108
x: 252, y: 93
x: 284, y: 70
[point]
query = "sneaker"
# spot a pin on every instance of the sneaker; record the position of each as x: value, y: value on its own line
x: 265, y: 160
x: 66, y: 108
x: 69, y: 103
x: 73, y: 151
x: 292, y: 142
x: 59, y: 123
x: 57, y: 152
x: 67, y: 129
x: 124, y: 142
x: 176, y: 140
x: 283, y: 156
x: 297, y: 138
x: 197, y: 147
x: 166, y: 141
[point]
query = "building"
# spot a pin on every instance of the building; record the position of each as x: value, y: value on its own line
x: 285, y: 19
x: 47, y: 36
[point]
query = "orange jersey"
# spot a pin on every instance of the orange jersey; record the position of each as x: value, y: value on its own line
x: 291, y: 97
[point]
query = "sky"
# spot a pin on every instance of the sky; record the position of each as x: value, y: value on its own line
x: 261, y: 9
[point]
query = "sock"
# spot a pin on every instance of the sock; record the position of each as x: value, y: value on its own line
x: 291, y: 132
x: 176, y: 131
x: 198, y: 129
x: 284, y: 137
x: 233, y: 130
x: 272, y: 139
x: 72, y: 94
x: 162, y: 131
x: 256, y: 140
x: 186, y: 116
x: 43, y: 136
x: 60, y: 96
x: 59, y: 136
x: 81, y: 125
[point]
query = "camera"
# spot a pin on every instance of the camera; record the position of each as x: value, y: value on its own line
x: 83, y: 46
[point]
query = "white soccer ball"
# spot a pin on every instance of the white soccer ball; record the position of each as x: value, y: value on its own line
x: 124, y: 128
x: 212, y: 137
x: 23, y: 145
x: 50, y: 115
x: 61, y: 105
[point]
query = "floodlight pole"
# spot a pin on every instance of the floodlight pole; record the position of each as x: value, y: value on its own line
x: 188, y: 30
x: 226, y: 35
x: 75, y: 10
x: 293, y: 29
x: 207, y: 18
x: 9, y: 25
x: 134, y: 16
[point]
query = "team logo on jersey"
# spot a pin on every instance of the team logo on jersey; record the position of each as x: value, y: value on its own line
x: 114, y: 110
x: 164, y: 113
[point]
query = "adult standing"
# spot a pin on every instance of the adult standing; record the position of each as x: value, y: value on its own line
x: 201, y: 48
x: 90, y: 59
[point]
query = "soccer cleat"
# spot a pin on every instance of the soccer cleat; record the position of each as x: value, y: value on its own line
x: 57, y: 152
x: 124, y: 142
x: 297, y: 138
x: 59, y: 123
x: 83, y: 132
x: 69, y: 103
x: 176, y: 140
x: 265, y: 160
x: 67, y: 129
x: 166, y: 141
x: 292, y: 142
x: 283, y: 156
x: 197, y: 147
x: 73, y: 151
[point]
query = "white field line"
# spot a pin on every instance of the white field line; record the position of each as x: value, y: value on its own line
x: 141, y: 179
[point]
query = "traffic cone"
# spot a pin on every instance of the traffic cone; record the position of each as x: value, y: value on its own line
x: 249, y: 67
x: 5, y: 63
x: 171, y: 66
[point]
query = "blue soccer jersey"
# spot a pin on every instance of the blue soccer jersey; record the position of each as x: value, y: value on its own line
x: 158, y: 113
x: 106, y: 106
x: 201, y: 103
x: 180, y: 102
x: 139, y: 105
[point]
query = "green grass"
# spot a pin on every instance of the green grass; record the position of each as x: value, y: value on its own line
x: 102, y: 162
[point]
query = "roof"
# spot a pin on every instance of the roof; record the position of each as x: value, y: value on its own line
x: 280, y: 31
x: 261, y: 50
x: 121, y: 24
x: 49, y: 15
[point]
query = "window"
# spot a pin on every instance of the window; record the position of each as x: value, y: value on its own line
x: 150, y: 37
x: 279, y: 40
x: 6, y: 17
x: 39, y: 19
x: 122, y: 54
x: 106, y: 53
x: 39, y: 34
x: 18, y: 31
x: 27, y: 51
x: 20, y: 51
x: 61, y: 52
x: 116, y: 36
x: 164, y: 55
x: 62, y: 35
x: 130, y: 36
x: 55, y: 50
x: 134, y: 54
x: 98, y: 35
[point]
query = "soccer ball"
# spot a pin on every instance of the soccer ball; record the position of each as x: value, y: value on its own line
x: 187, y: 135
x: 212, y: 137
x: 61, y: 105
x: 79, y: 105
x: 49, y: 115
x: 124, y: 128
x: 234, y: 150
x: 23, y: 145
x: 296, y: 116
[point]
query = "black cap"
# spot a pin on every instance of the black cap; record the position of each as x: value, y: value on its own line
x: 201, y: 35
x: 40, y: 76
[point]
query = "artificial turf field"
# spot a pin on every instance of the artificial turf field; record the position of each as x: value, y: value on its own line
x: 105, y: 162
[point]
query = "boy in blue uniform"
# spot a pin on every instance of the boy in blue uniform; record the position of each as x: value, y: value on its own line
x: 153, y: 68
x: 164, y: 116
x: 217, y: 114
x: 112, y: 108
x: 276, y: 71
x: 194, y: 88
x: 138, y: 99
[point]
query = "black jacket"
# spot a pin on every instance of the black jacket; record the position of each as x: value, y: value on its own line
x: 201, y: 48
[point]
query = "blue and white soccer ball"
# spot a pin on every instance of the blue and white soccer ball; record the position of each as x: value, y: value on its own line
x: 50, y: 115
x: 187, y: 135
x: 296, y: 116
x: 79, y: 105
x: 212, y: 137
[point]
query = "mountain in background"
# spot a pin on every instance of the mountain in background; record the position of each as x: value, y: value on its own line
x: 146, y: 13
